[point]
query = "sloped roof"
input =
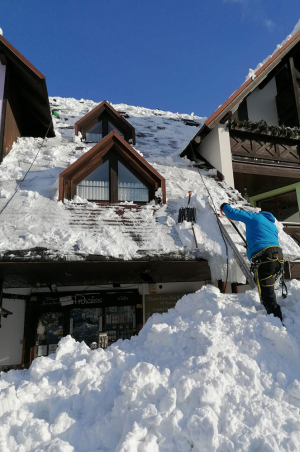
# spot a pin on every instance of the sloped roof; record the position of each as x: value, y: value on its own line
x: 36, y: 227
x: 247, y: 87
x: 32, y: 86
x: 97, y: 111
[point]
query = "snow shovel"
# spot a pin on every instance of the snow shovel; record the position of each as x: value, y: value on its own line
x: 188, y: 214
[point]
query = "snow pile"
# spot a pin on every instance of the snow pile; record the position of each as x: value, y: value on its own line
x: 251, y: 73
x: 214, y: 373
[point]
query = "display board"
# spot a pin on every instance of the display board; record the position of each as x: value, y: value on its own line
x: 160, y: 303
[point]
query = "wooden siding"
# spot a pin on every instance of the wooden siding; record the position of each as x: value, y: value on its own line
x: 26, y: 109
x: 265, y: 147
x: 10, y: 130
x: 83, y: 273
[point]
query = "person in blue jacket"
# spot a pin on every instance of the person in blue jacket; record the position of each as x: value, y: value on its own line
x: 263, y: 251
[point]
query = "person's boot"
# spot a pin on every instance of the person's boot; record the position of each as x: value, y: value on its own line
x: 273, y: 308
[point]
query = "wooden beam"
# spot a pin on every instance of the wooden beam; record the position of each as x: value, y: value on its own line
x: 296, y: 88
x: 266, y: 170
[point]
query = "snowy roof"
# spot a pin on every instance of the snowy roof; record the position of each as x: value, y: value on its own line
x: 35, y: 220
x: 254, y: 78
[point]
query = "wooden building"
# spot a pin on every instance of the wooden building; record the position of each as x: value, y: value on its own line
x: 24, y: 103
x: 111, y: 197
x: 253, y: 138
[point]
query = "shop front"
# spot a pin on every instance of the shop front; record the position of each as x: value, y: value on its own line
x: 97, y: 318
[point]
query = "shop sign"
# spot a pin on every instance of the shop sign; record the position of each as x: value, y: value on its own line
x: 107, y: 298
x: 88, y: 299
x: 65, y: 301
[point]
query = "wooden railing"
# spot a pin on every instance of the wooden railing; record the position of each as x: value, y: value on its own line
x: 264, y: 147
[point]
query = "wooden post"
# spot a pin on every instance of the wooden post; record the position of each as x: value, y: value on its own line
x: 222, y: 286
x: 296, y: 88
x: 234, y: 287
x: 1, y: 293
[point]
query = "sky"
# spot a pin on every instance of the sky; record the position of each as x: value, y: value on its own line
x: 176, y: 55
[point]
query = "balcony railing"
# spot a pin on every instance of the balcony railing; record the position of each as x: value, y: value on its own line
x: 264, y: 147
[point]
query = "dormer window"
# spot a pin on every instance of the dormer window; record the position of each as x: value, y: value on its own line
x: 111, y: 172
x: 101, y: 121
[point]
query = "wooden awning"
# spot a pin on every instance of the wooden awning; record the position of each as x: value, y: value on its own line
x: 93, y: 272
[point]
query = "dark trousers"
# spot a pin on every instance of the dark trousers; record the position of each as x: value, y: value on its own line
x: 268, y: 269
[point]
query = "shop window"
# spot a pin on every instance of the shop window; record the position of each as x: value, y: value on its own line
x: 130, y: 188
x: 49, y: 332
x: 96, y: 185
x: 284, y: 207
x: 87, y: 324
x: 118, y: 322
x: 95, y: 133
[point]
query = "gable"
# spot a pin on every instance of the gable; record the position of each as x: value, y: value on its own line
x: 260, y: 82
x: 25, y: 103
x: 111, y: 145
x: 253, y: 82
x: 110, y: 119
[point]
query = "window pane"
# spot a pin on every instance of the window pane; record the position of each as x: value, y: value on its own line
x: 96, y: 185
x: 130, y: 188
x: 49, y: 332
x: 111, y: 127
x: 284, y: 207
x: 86, y: 324
x: 288, y: 207
x: 94, y: 134
x: 269, y: 205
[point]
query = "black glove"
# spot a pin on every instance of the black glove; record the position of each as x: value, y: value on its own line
x: 224, y: 204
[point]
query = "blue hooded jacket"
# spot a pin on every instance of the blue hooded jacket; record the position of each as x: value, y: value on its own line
x: 261, y: 231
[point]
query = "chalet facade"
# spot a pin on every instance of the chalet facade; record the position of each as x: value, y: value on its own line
x: 253, y: 139
x: 124, y: 260
x: 24, y: 102
x: 101, y: 249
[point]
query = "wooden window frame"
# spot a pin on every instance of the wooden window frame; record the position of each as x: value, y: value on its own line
x: 113, y: 158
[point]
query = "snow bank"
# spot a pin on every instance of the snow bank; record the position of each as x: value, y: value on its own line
x: 213, y: 374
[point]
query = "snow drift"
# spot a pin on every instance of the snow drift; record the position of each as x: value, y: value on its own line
x: 213, y: 374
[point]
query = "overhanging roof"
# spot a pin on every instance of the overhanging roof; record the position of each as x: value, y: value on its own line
x: 31, y: 86
x: 247, y: 87
x: 105, y: 271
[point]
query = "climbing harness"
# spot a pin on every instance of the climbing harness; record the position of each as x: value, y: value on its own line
x: 269, y: 281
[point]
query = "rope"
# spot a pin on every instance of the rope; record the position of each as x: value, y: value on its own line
x: 19, y: 183
x: 218, y: 220
x: 255, y: 266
